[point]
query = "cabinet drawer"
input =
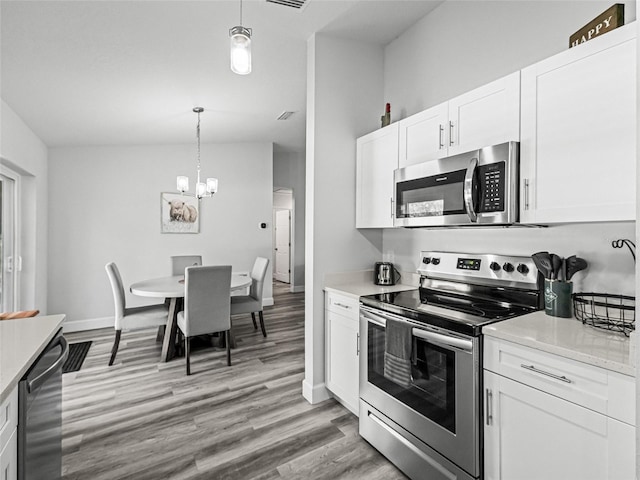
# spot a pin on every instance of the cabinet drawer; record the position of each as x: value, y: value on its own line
x: 342, y: 304
x: 8, y: 417
x: 592, y: 387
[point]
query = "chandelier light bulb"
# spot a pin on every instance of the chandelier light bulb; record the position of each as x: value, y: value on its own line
x: 212, y: 185
x: 201, y: 189
x: 183, y: 184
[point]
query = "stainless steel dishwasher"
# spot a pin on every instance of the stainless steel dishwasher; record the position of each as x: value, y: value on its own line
x: 40, y: 414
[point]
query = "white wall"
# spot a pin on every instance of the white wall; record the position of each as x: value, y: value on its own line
x: 344, y: 101
x: 464, y: 44
x: 25, y: 153
x: 463, y: 40
x: 104, y: 205
x: 289, y: 172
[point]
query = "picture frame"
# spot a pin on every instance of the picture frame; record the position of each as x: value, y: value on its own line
x: 179, y: 213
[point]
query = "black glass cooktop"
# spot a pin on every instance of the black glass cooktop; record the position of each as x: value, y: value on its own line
x: 456, y: 313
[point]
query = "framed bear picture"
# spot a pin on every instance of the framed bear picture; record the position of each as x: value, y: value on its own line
x: 179, y: 213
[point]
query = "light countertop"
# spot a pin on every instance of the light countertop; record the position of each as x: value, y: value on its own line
x: 356, y: 290
x: 358, y: 283
x: 21, y: 341
x: 569, y: 338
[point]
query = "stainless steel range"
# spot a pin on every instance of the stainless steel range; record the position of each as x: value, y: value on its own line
x: 421, y: 361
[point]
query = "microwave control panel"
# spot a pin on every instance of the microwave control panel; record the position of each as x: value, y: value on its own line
x: 492, y: 187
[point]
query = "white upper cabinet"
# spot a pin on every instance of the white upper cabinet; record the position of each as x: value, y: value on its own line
x: 376, y: 159
x: 485, y: 116
x: 578, y: 139
x: 423, y: 136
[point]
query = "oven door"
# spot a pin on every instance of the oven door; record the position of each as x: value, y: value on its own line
x: 441, y: 405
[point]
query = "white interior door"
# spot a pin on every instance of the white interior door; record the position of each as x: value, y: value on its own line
x: 282, y: 246
x: 8, y: 258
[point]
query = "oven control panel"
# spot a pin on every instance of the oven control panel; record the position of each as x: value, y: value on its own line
x: 488, y: 269
x: 469, y: 263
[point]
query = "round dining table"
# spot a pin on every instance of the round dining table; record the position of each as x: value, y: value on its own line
x: 172, y: 287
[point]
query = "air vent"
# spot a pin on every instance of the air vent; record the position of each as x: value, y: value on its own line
x: 297, y: 4
x: 285, y: 115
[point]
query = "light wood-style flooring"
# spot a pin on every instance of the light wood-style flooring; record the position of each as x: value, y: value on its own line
x: 143, y: 419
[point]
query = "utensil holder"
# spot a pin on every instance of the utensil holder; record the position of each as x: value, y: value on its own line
x: 557, y: 298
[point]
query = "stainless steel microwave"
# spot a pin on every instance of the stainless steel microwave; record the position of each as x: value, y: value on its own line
x: 474, y: 188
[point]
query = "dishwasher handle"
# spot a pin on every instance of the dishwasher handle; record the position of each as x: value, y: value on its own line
x: 40, y: 379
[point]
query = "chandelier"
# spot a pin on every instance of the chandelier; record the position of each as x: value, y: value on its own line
x: 202, y: 189
x: 240, y: 48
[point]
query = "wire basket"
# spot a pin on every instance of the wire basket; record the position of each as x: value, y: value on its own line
x: 602, y: 310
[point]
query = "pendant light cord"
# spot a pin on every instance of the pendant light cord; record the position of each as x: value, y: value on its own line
x: 198, y: 138
x: 240, y: 12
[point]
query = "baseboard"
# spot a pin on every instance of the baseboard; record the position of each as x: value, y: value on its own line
x: 315, y: 394
x: 297, y: 289
x: 88, y: 324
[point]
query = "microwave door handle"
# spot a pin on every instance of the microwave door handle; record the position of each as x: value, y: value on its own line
x: 468, y: 190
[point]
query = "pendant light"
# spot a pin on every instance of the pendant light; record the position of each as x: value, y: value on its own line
x: 240, y: 54
x: 202, y: 189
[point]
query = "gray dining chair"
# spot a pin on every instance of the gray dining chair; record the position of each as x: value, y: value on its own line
x: 180, y: 262
x: 252, y: 303
x: 133, y: 317
x: 206, y: 305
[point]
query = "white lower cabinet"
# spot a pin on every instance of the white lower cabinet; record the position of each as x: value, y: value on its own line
x: 535, y: 433
x: 9, y: 459
x: 9, y: 437
x: 342, y: 349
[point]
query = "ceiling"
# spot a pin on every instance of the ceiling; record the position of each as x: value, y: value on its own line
x: 105, y: 72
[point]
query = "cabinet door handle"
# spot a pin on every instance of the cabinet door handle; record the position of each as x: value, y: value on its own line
x: 391, y: 207
x: 548, y: 374
x: 441, y: 138
x: 338, y: 304
x: 358, y: 344
x: 450, y: 133
x: 526, y: 193
x: 489, y: 409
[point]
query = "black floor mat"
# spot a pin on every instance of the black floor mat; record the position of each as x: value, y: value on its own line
x: 77, y: 354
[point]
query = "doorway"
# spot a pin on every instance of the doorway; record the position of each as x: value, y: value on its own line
x: 282, y: 213
x: 9, y: 258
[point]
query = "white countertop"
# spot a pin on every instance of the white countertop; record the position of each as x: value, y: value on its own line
x: 569, y: 338
x: 356, y: 290
x: 357, y: 283
x: 21, y: 341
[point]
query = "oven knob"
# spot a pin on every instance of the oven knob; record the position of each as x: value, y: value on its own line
x: 507, y: 267
x: 523, y: 269
x: 435, y: 261
x: 495, y: 266
x: 426, y: 260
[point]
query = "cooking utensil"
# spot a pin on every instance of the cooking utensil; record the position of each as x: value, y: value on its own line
x: 574, y: 265
x: 544, y: 263
x: 556, y: 262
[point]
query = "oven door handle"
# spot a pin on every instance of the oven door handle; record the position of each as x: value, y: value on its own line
x: 433, y: 337
x: 443, y: 340
x: 468, y: 190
